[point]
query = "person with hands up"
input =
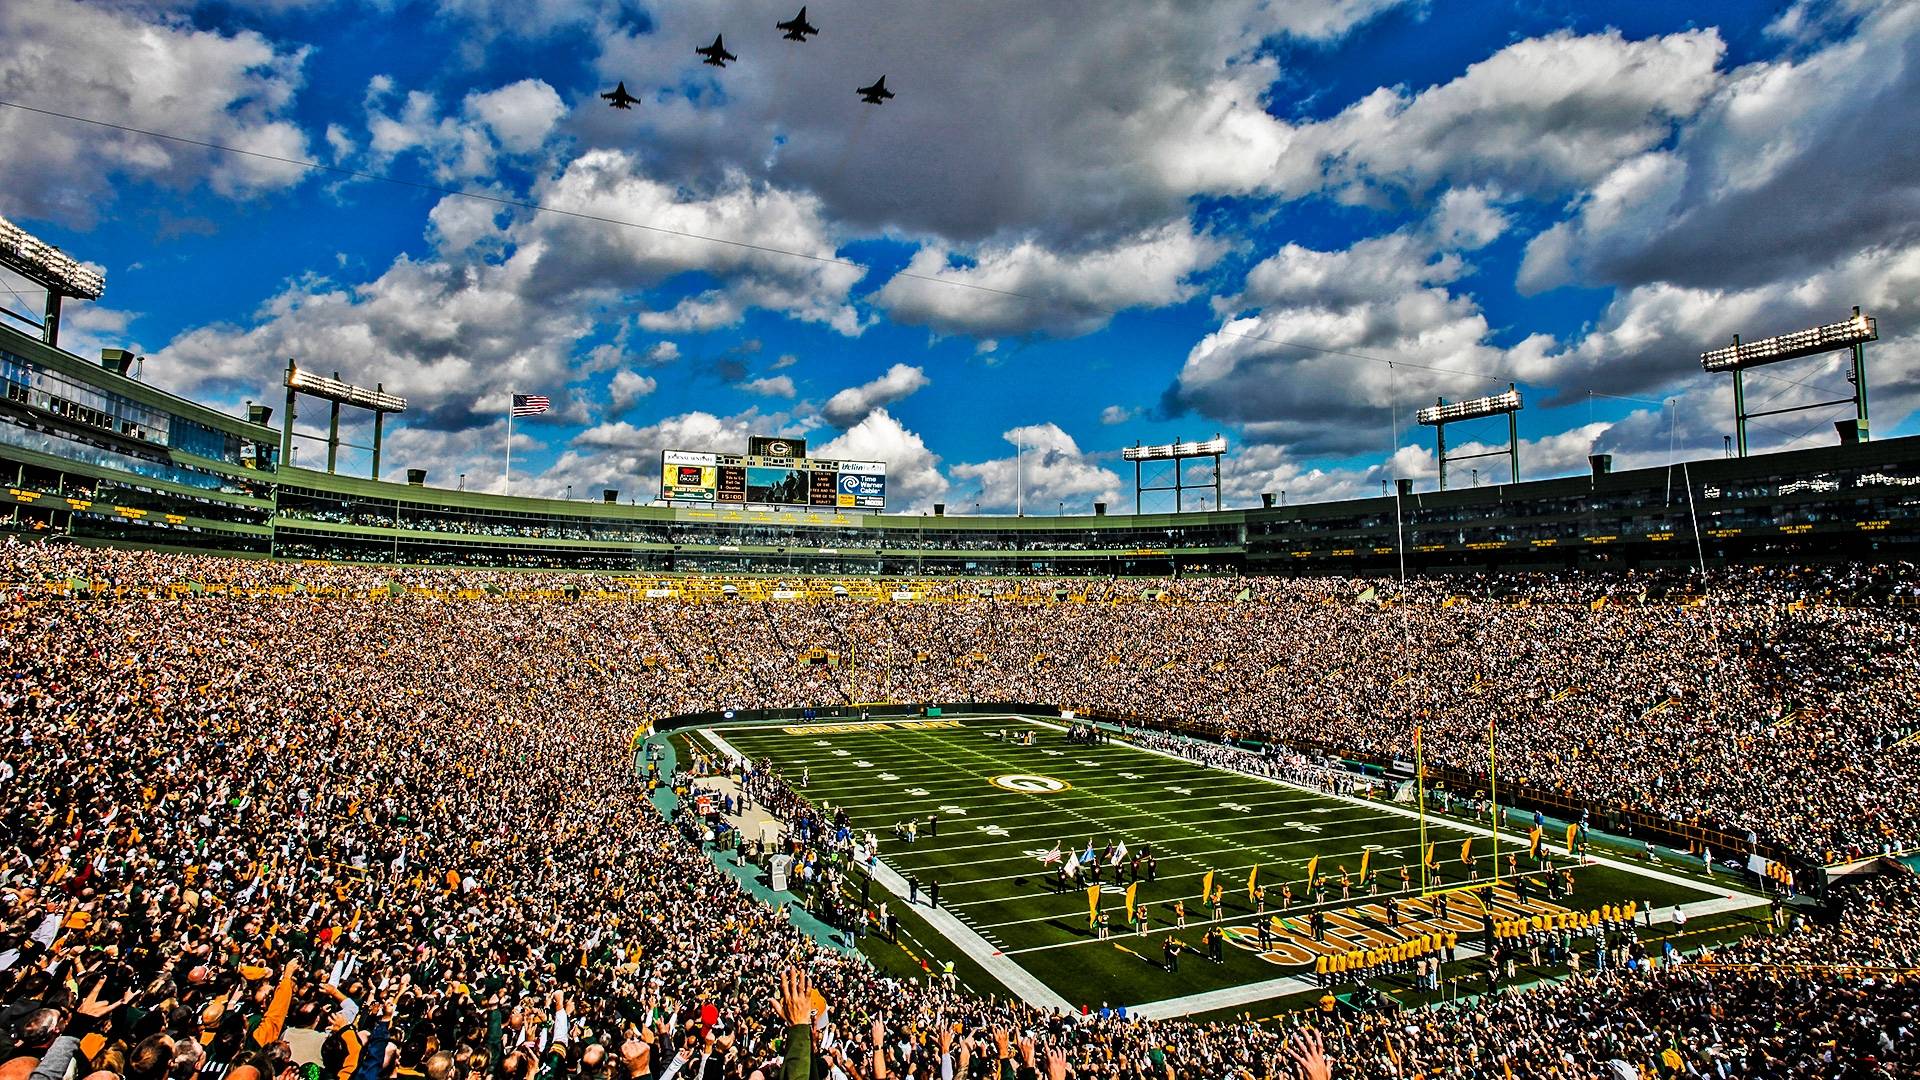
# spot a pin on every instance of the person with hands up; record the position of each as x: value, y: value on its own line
x: 1309, y: 1056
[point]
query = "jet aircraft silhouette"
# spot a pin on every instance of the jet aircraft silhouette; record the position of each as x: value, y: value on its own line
x: 797, y: 28
x: 618, y: 97
x: 716, y: 53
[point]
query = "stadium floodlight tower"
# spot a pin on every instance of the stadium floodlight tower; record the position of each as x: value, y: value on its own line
x: 1176, y: 453
x: 1852, y: 334
x: 50, y: 268
x: 376, y: 401
x: 1441, y: 413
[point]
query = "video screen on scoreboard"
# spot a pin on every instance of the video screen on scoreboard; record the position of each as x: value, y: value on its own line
x: 744, y: 479
x: 782, y: 487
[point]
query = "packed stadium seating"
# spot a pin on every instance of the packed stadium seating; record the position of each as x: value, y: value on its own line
x: 253, y: 810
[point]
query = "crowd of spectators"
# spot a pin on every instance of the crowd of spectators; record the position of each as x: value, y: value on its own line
x: 1775, y: 705
x: 275, y: 834
x: 1829, y: 1001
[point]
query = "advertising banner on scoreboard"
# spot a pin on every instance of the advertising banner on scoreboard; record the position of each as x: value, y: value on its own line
x: 747, y: 479
x: 862, y: 491
x: 688, y: 476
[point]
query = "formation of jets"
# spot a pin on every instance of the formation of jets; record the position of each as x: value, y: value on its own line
x: 716, y: 55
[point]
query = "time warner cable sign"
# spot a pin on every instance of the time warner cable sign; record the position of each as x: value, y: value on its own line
x: 757, y: 480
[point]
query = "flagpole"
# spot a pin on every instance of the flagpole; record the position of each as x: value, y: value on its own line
x: 509, y: 487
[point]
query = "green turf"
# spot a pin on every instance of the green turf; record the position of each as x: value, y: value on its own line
x: 986, y: 852
x: 919, y: 953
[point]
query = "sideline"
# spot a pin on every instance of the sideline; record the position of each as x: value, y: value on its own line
x: 963, y: 937
x: 748, y: 876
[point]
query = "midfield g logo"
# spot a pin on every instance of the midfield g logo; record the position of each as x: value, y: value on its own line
x: 1029, y: 784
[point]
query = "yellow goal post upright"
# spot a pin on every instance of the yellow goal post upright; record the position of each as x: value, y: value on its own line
x: 1420, y: 801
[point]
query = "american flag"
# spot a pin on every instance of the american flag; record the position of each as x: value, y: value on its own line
x: 531, y: 404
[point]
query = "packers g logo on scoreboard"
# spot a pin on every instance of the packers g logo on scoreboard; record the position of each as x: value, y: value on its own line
x: 1029, y: 784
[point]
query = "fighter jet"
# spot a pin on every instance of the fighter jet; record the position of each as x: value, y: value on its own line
x: 875, y: 94
x: 618, y: 97
x: 797, y: 28
x: 716, y: 53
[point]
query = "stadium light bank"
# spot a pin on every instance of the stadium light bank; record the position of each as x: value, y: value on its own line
x: 54, y: 270
x: 1179, y: 453
x: 1852, y: 333
x: 376, y: 401
x: 1444, y: 412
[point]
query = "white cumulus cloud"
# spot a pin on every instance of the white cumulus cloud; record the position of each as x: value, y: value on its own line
x: 145, y: 68
x: 851, y: 405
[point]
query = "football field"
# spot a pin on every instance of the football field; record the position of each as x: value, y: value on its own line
x: 1001, y: 806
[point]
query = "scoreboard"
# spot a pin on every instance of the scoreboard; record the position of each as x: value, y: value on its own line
x: 752, y: 479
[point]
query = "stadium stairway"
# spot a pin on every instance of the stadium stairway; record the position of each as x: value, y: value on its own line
x: 748, y: 876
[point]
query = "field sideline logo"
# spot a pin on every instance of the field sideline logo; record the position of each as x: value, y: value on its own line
x: 1029, y: 784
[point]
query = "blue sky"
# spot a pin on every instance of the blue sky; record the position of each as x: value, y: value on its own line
x: 1079, y: 225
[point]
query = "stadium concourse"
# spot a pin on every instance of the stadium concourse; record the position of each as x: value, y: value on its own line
x: 275, y: 820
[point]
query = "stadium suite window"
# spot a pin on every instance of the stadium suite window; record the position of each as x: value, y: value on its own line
x: 196, y: 438
x: 37, y: 387
x: 70, y: 446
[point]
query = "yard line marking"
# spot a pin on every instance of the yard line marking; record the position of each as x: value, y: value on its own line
x: 1071, y: 812
x: 1118, y: 772
x: 991, y: 760
x: 1268, y: 859
x: 1197, y: 803
x: 1162, y: 854
x: 999, y: 795
x: 1011, y: 975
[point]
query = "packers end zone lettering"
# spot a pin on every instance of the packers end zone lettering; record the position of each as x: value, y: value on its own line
x: 856, y: 727
x: 1029, y: 784
x: 1289, y: 947
x: 837, y: 729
